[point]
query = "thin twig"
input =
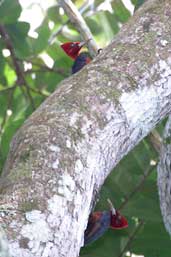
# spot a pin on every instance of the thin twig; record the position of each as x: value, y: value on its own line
x: 132, y: 236
x: 4, y: 90
x: 40, y: 92
x: 82, y: 9
x: 139, y: 186
x: 10, y: 96
x: 44, y: 68
x: 78, y: 21
x: 20, y: 76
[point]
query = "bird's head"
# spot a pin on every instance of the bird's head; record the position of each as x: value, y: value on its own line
x: 118, y: 221
x: 72, y: 49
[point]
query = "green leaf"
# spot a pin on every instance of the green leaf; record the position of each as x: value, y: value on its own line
x: 9, y: 74
x: 10, y: 11
x: 4, y: 103
x: 94, y: 24
x: 7, y: 136
x: 121, y: 11
x: 18, y: 34
x: 106, y: 28
x: 39, y: 44
x: 152, y: 241
x: 2, y: 62
x: 3, y: 80
x: 53, y: 14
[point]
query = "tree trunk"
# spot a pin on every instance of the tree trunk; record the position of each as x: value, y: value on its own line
x: 68, y: 146
x: 164, y: 177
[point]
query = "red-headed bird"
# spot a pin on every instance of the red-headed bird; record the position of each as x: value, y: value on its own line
x: 99, y: 222
x: 72, y: 49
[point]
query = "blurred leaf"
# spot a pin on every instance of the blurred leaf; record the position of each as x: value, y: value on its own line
x: 18, y: 33
x: 106, y: 27
x: 3, y: 80
x: 7, y: 136
x: 3, y: 101
x: 18, y: 106
x: 134, y: 2
x: 39, y: 44
x: 2, y: 62
x: 152, y: 241
x: 53, y: 14
x: 9, y: 11
x: 121, y: 11
x: 94, y: 24
x: 9, y: 74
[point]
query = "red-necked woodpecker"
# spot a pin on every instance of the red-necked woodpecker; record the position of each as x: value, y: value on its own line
x: 72, y: 49
x: 99, y: 222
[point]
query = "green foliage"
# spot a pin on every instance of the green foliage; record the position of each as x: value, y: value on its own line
x: 138, y: 3
x: 17, y: 31
x: 121, y: 12
x: 9, y: 7
x: 132, y: 185
x: 38, y: 45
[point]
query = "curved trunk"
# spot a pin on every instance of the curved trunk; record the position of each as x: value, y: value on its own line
x: 65, y: 150
x: 164, y: 177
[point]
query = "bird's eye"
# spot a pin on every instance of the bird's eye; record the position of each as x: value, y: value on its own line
x: 72, y: 45
x: 99, y: 50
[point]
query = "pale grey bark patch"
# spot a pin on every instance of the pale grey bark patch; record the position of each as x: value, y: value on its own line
x: 4, y: 248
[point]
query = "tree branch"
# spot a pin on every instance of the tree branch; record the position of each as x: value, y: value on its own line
x: 18, y: 70
x: 132, y: 237
x: 82, y: 9
x: 80, y: 24
x: 9, y: 103
x: 69, y: 145
x: 146, y: 174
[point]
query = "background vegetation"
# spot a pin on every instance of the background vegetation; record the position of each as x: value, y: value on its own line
x: 26, y: 80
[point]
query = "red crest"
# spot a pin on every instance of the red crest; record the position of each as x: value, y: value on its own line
x: 118, y: 221
x: 72, y: 48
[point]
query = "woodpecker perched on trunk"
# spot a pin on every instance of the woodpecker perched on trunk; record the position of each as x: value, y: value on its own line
x: 72, y: 49
x: 99, y: 222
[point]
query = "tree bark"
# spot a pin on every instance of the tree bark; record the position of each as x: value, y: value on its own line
x: 65, y: 150
x: 164, y: 177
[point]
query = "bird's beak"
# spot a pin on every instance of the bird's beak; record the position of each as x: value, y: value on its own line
x: 112, y: 208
